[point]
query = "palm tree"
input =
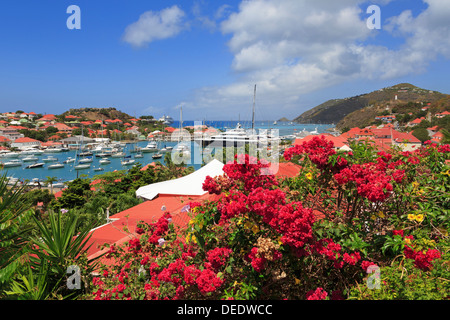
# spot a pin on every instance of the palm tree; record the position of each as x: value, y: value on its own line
x: 49, y: 181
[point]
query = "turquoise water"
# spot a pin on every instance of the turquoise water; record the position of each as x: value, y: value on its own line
x: 69, y: 173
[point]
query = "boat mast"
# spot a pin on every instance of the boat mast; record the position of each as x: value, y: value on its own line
x: 253, y: 114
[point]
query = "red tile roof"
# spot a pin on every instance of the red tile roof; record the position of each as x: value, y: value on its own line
x: 149, y: 212
x: 26, y: 139
x: 338, y: 141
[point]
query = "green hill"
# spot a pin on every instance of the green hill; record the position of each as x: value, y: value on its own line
x: 334, y: 111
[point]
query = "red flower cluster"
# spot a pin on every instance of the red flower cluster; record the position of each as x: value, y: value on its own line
x: 366, y: 264
x: 159, y: 228
x: 332, y: 251
x: 249, y: 171
x: 318, y: 294
x: 319, y: 151
x: 218, y: 256
x: 370, y: 179
x: 423, y: 261
x: 212, y: 186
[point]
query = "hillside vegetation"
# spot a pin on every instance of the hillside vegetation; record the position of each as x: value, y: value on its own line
x: 334, y: 111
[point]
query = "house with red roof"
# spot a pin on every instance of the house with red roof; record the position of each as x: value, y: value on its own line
x: 47, y: 118
x: 4, y: 140
x: 25, y: 142
x: 62, y: 127
x: 405, y: 140
x: 11, y: 133
x: 415, y: 122
x: 437, y: 137
x: 442, y: 114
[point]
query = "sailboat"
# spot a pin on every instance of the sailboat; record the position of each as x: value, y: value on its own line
x: 80, y: 165
x: 182, y: 149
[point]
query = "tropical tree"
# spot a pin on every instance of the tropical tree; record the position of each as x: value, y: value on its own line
x: 49, y: 181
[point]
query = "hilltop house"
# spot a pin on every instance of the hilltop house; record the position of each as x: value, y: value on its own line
x: 442, y: 114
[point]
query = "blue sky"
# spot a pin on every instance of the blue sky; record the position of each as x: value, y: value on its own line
x: 151, y: 57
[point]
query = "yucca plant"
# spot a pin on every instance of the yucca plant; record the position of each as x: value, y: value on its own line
x: 60, y: 246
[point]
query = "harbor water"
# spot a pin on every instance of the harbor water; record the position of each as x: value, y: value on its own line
x: 68, y: 172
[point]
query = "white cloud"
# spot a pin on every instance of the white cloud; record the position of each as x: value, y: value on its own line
x: 153, y: 26
x: 293, y: 47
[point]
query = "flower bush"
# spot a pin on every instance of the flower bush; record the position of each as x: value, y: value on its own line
x: 314, y: 236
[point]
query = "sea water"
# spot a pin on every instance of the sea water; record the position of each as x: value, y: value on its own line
x: 69, y: 173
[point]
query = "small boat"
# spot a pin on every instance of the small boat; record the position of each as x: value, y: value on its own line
x: 139, y: 155
x: 35, y: 165
x: 86, y: 154
x: 150, y: 147
x: 52, y: 150
x: 69, y: 160
x: 98, y: 169
x: 105, y: 161
x: 103, y: 154
x: 56, y: 166
x: 30, y: 158
x: 82, y: 166
x: 127, y: 161
x: 85, y: 160
x: 12, y: 163
x: 157, y: 156
x: 50, y: 159
x: 118, y: 155
x: 9, y: 154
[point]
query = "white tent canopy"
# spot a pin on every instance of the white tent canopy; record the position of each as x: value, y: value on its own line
x: 191, y: 184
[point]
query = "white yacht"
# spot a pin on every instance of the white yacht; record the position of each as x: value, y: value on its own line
x: 12, y: 163
x: 82, y: 166
x: 50, y: 159
x: 56, y: 166
x: 119, y: 154
x: 239, y: 137
x: 150, y: 147
x: 30, y: 158
x: 35, y: 165
x: 85, y: 160
x: 9, y: 154
x: 105, y: 161
x: 69, y: 160
x: 167, y: 120
x: 53, y: 150
x: 127, y: 162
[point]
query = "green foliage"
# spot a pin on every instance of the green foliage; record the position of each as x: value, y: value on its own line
x: 421, y: 134
x: 14, y: 228
x: 402, y: 281
x: 58, y: 246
